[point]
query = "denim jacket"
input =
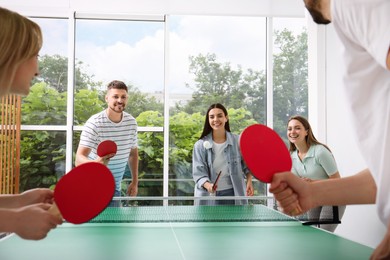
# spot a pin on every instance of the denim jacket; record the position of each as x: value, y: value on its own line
x: 202, y: 166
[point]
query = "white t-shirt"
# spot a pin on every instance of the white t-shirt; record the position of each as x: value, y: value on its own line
x: 99, y: 128
x: 220, y: 164
x: 364, y: 28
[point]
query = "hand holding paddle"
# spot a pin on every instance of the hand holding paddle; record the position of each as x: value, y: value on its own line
x: 106, y: 148
x: 83, y: 193
x: 264, y: 152
x: 293, y: 194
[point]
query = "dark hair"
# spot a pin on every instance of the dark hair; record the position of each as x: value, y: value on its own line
x: 207, y: 128
x: 116, y: 84
x: 314, y: 8
x: 310, y: 138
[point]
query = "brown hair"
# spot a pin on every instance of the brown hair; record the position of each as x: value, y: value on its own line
x: 116, y: 84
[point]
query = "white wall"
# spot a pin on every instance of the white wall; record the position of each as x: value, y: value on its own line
x: 211, y: 7
x: 360, y: 222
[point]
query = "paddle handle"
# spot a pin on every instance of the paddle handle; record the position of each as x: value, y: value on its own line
x: 296, y: 211
x: 216, y: 182
x: 55, y: 211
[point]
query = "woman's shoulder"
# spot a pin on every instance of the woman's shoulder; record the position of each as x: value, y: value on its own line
x: 320, y: 149
x: 232, y: 135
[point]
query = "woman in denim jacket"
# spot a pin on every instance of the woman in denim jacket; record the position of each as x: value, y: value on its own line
x: 217, y: 151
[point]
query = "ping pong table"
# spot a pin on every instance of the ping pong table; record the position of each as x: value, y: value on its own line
x: 186, y: 233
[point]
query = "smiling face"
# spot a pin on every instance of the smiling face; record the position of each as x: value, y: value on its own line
x: 296, y: 132
x: 26, y: 72
x: 217, y: 119
x: 117, y: 100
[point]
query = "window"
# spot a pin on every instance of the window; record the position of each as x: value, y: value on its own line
x: 176, y: 67
x: 213, y: 59
x: 130, y: 50
x: 290, y: 92
x: 43, y: 136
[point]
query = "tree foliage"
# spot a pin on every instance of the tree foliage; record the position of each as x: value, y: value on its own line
x: 290, y: 78
x: 54, y: 72
x: 220, y: 83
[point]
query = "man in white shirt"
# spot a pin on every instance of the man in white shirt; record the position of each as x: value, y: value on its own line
x: 363, y: 28
x: 114, y: 124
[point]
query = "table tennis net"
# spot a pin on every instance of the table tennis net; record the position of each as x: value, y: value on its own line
x: 155, y: 210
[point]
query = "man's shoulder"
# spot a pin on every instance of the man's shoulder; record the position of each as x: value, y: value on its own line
x: 97, y: 118
x: 127, y: 115
x: 129, y: 118
x: 97, y: 115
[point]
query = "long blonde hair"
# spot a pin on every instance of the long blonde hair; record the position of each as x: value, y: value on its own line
x: 20, y: 40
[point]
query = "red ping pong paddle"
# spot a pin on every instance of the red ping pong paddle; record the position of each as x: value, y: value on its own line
x: 83, y: 193
x: 106, y: 147
x: 264, y: 152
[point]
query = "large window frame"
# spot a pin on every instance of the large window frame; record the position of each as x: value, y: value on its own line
x: 69, y: 128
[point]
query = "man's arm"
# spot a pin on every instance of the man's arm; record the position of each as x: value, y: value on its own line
x: 293, y: 193
x: 132, y: 190
x: 356, y: 189
x: 388, y: 60
x: 82, y: 155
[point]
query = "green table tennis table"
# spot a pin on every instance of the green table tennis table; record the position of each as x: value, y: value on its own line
x: 186, y: 233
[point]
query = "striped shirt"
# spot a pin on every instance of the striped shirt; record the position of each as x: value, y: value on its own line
x: 99, y: 128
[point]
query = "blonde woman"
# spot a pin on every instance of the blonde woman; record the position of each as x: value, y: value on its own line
x: 25, y: 214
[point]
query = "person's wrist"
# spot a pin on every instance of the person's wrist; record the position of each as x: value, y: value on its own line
x: 19, y: 200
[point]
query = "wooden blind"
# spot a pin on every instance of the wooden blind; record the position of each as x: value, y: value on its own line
x: 10, y: 144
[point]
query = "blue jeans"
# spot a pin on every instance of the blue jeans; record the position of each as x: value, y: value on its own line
x: 115, y: 203
x: 229, y: 192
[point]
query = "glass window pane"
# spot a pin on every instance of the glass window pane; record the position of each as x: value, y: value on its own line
x: 46, y: 103
x: 290, y: 71
x: 130, y: 51
x: 42, y: 158
x: 133, y: 52
x: 213, y: 59
x: 150, y: 172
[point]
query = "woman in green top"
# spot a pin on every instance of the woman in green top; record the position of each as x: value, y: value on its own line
x: 312, y: 160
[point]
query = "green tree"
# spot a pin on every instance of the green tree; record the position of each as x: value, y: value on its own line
x: 290, y: 78
x: 239, y: 119
x: 44, y: 106
x: 42, y: 152
x: 214, y: 82
x: 54, y: 71
x: 220, y: 83
x: 90, y: 99
x: 235, y: 88
x: 139, y: 102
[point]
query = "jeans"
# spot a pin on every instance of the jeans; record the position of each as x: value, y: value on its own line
x: 115, y: 203
x: 229, y: 192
